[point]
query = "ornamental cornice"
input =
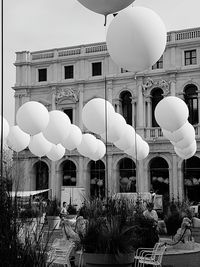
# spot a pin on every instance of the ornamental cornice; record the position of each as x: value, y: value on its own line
x: 67, y: 93
x: 150, y: 84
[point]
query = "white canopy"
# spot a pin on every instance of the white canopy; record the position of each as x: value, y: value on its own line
x: 27, y: 193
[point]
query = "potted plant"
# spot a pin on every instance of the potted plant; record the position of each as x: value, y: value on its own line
x: 53, y: 214
x: 114, y: 230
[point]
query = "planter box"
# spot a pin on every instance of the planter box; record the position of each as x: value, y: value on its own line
x: 108, y: 260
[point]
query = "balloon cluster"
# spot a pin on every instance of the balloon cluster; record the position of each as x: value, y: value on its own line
x: 44, y: 133
x: 136, y: 37
x: 99, y: 116
x: 171, y: 114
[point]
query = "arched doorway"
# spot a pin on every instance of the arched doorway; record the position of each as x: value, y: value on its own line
x: 157, y: 96
x: 97, y: 179
x: 69, y: 173
x: 159, y: 176
x: 191, y: 99
x: 127, y: 175
x: 41, y: 171
x: 191, y: 170
x: 126, y: 106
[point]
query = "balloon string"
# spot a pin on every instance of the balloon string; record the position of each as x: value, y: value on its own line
x: 105, y: 20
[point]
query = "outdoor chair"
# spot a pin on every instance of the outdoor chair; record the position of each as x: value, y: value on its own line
x: 60, y: 254
x: 149, y: 256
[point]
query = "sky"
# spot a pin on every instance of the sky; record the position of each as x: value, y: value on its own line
x: 34, y: 25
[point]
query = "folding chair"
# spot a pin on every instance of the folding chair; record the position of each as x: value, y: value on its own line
x: 149, y: 256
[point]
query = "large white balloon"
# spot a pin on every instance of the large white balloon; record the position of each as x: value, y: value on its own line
x: 136, y: 146
x: 73, y: 139
x: 136, y: 38
x: 115, y: 128
x: 127, y: 140
x: 17, y: 140
x: 6, y: 127
x: 187, y: 135
x: 39, y: 146
x: 88, y: 145
x: 58, y: 128
x: 187, y: 152
x: 101, y: 150
x: 56, y: 152
x: 169, y: 135
x: 94, y: 115
x: 171, y: 113
x: 105, y: 7
x: 32, y: 117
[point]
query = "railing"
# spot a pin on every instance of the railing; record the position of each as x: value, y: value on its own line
x: 153, y: 133
x: 102, y: 47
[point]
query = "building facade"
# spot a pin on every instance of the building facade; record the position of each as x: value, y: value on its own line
x: 67, y: 78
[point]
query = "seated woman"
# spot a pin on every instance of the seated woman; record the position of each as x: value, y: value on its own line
x: 80, y: 227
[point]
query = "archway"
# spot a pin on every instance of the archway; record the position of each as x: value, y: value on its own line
x: 157, y: 96
x: 191, y: 99
x: 69, y: 173
x: 41, y: 171
x: 191, y: 170
x: 126, y: 103
x: 159, y: 176
x: 127, y: 175
x: 97, y: 179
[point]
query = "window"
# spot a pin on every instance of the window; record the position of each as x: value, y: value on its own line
x: 158, y: 64
x: 96, y: 69
x: 69, y: 72
x: 190, y: 57
x: 191, y: 99
x: 69, y: 113
x: 126, y: 106
x: 156, y: 97
x: 42, y: 75
x: 69, y: 173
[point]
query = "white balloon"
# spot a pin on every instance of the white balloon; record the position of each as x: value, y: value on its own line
x: 187, y: 133
x: 171, y: 113
x: 187, y: 152
x: 136, y: 146
x: 136, y: 38
x: 93, y: 115
x: 56, y: 152
x: 101, y: 150
x: 39, y: 146
x: 58, y: 128
x: 143, y: 151
x: 17, y: 140
x: 73, y: 139
x: 6, y: 128
x: 32, y: 117
x: 105, y: 7
x: 169, y: 135
x: 88, y: 145
x: 115, y: 129
x: 127, y: 140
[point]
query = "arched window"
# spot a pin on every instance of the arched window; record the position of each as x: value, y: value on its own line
x: 127, y: 175
x: 41, y: 172
x: 69, y: 173
x: 191, y: 100
x: 156, y: 95
x: 191, y: 170
x: 126, y: 106
x: 159, y: 176
x: 97, y: 179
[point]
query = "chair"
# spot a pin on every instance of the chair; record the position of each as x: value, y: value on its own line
x: 60, y: 254
x: 150, y: 256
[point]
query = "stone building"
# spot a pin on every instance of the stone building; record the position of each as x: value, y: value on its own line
x: 67, y: 78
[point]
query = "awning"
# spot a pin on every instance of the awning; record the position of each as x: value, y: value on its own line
x: 27, y: 193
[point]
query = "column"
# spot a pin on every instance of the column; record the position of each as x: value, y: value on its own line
x: 198, y: 106
x: 108, y: 170
x: 53, y: 179
x: 53, y: 98
x: 80, y: 123
x: 173, y: 88
x: 139, y: 176
x: 140, y: 112
x: 149, y: 111
x: 133, y: 102
x: 80, y: 181
x: 109, y: 91
x: 173, y: 177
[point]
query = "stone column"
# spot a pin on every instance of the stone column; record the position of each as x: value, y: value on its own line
x: 173, y: 88
x: 198, y: 106
x: 81, y: 89
x: 109, y: 91
x: 149, y: 111
x: 110, y: 177
x: 173, y: 177
x: 134, y: 103
x: 53, y: 98
x: 139, y: 176
x: 140, y: 112
x: 53, y: 179
x: 80, y: 181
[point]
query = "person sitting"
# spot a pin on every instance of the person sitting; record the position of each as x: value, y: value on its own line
x: 150, y: 213
x: 64, y: 212
x: 80, y: 227
x: 184, y: 234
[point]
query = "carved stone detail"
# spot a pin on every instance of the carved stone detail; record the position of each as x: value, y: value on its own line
x: 67, y: 93
x: 150, y: 84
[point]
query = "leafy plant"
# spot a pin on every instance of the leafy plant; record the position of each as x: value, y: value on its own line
x: 53, y: 208
x: 116, y: 226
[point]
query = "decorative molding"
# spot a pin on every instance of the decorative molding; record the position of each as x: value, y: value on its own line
x: 67, y: 93
x: 150, y: 84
